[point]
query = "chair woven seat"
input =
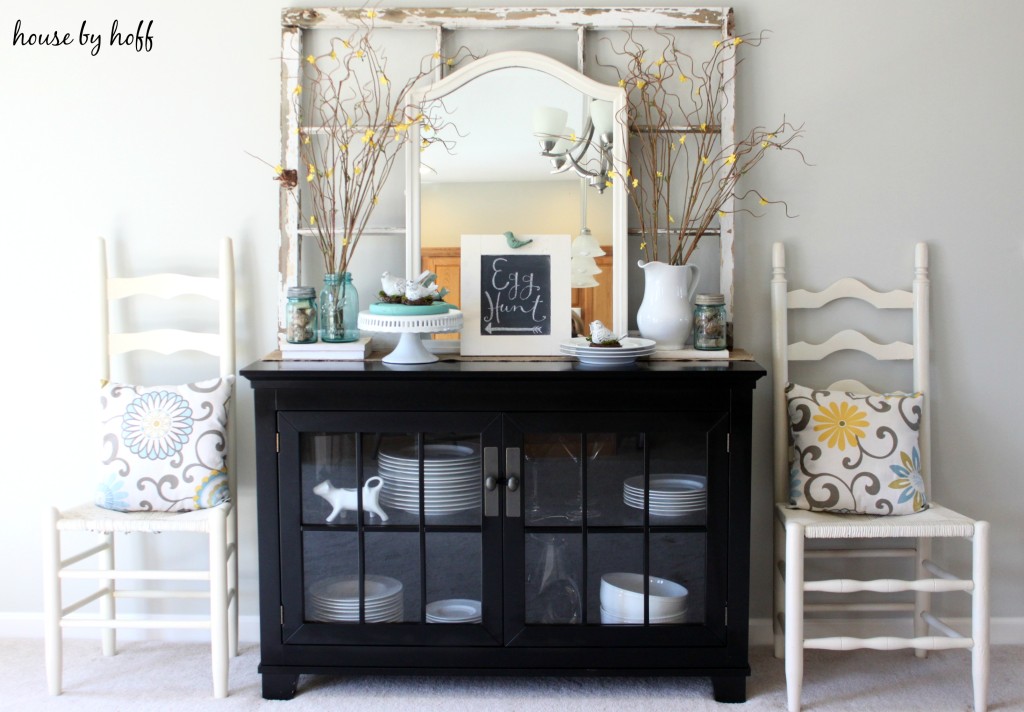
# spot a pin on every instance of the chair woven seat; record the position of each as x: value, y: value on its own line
x: 936, y: 521
x: 89, y: 517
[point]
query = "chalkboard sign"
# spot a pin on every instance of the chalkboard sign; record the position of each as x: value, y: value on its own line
x: 515, y: 295
x: 516, y: 298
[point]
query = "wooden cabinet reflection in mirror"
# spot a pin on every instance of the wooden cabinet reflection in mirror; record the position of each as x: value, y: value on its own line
x: 592, y: 303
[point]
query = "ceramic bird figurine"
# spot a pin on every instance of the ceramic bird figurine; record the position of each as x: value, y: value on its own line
x: 416, y: 291
x: 421, y: 291
x: 391, y: 285
x: 600, y: 335
x: 514, y: 241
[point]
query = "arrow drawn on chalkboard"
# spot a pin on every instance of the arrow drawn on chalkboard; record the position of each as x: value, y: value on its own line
x: 534, y: 329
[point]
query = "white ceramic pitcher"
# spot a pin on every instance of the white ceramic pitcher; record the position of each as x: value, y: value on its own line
x: 666, y: 312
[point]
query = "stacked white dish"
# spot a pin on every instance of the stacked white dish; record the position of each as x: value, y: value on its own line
x: 451, y: 478
x: 454, y: 610
x: 670, y: 495
x: 630, y: 350
x: 337, y: 599
x: 622, y: 599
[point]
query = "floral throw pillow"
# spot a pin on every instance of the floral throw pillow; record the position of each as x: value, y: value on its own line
x: 854, y: 453
x: 163, y: 448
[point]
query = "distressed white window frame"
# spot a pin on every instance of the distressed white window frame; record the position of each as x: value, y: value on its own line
x: 444, y: 20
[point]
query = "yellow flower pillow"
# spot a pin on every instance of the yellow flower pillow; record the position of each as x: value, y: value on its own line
x: 854, y: 453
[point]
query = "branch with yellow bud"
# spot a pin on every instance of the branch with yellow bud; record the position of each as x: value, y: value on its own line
x: 353, y: 120
x: 672, y: 96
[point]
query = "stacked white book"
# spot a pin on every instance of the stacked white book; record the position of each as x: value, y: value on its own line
x: 327, y: 351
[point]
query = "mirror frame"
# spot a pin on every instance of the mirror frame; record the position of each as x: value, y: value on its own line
x: 575, y: 80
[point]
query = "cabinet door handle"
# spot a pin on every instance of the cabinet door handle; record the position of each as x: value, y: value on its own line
x: 491, y: 496
x: 513, y: 494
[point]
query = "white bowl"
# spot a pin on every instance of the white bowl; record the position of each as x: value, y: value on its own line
x: 622, y: 594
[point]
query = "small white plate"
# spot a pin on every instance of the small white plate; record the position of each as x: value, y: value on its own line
x: 346, y: 588
x: 333, y: 617
x: 453, y: 610
x: 432, y: 453
x: 655, y: 502
x: 630, y: 350
x: 467, y: 473
x: 628, y: 344
x: 430, y: 465
x: 435, y: 509
x: 669, y: 484
x: 668, y: 496
x: 591, y: 360
x: 468, y: 493
x: 380, y: 612
x: 431, y: 503
x: 435, y: 480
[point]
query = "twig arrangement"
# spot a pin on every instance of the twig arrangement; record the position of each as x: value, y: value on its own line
x: 674, y: 114
x: 353, y: 124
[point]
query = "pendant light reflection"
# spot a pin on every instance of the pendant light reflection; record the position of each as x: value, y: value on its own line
x: 588, y: 154
x: 584, y: 249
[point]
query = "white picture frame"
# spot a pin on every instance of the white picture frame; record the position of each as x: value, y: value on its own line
x: 516, y: 301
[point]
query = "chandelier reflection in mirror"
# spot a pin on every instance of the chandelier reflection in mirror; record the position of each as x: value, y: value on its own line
x: 585, y: 249
x: 588, y: 154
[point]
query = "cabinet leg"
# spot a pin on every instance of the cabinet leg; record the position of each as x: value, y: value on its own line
x: 279, y: 686
x: 730, y: 689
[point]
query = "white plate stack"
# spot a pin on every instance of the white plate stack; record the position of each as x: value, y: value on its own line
x: 630, y: 350
x: 454, y: 610
x: 337, y: 599
x: 451, y: 478
x: 670, y: 495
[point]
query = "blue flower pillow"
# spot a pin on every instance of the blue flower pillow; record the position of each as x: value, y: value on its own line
x: 164, y: 448
x: 854, y: 453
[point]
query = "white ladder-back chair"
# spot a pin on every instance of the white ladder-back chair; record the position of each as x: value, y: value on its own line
x: 794, y: 526
x: 218, y: 523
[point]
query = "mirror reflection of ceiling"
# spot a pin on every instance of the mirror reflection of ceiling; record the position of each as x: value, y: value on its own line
x: 492, y: 130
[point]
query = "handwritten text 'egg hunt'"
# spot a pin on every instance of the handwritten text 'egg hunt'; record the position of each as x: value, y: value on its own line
x: 117, y: 38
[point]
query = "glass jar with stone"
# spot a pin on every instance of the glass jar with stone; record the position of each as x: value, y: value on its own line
x: 300, y: 315
x: 709, y: 322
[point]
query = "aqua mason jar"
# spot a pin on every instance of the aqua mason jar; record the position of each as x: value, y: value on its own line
x: 339, y: 308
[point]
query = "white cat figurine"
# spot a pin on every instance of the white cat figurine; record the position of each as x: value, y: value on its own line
x: 341, y: 498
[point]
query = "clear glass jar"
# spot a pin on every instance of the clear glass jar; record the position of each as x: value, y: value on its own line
x: 300, y: 315
x: 339, y: 308
x: 552, y: 591
x: 709, y: 322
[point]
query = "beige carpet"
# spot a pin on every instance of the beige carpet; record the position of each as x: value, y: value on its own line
x: 152, y: 676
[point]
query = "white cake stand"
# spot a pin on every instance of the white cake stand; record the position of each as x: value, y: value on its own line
x: 410, y: 348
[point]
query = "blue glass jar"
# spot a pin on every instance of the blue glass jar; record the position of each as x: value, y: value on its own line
x: 709, y: 322
x: 339, y: 308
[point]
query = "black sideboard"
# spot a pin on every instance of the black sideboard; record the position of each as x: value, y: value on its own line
x: 511, y: 490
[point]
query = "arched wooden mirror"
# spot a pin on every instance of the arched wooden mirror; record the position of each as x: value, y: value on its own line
x: 494, y: 179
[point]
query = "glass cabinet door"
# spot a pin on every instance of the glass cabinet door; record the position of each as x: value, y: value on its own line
x: 620, y: 531
x: 389, y: 508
